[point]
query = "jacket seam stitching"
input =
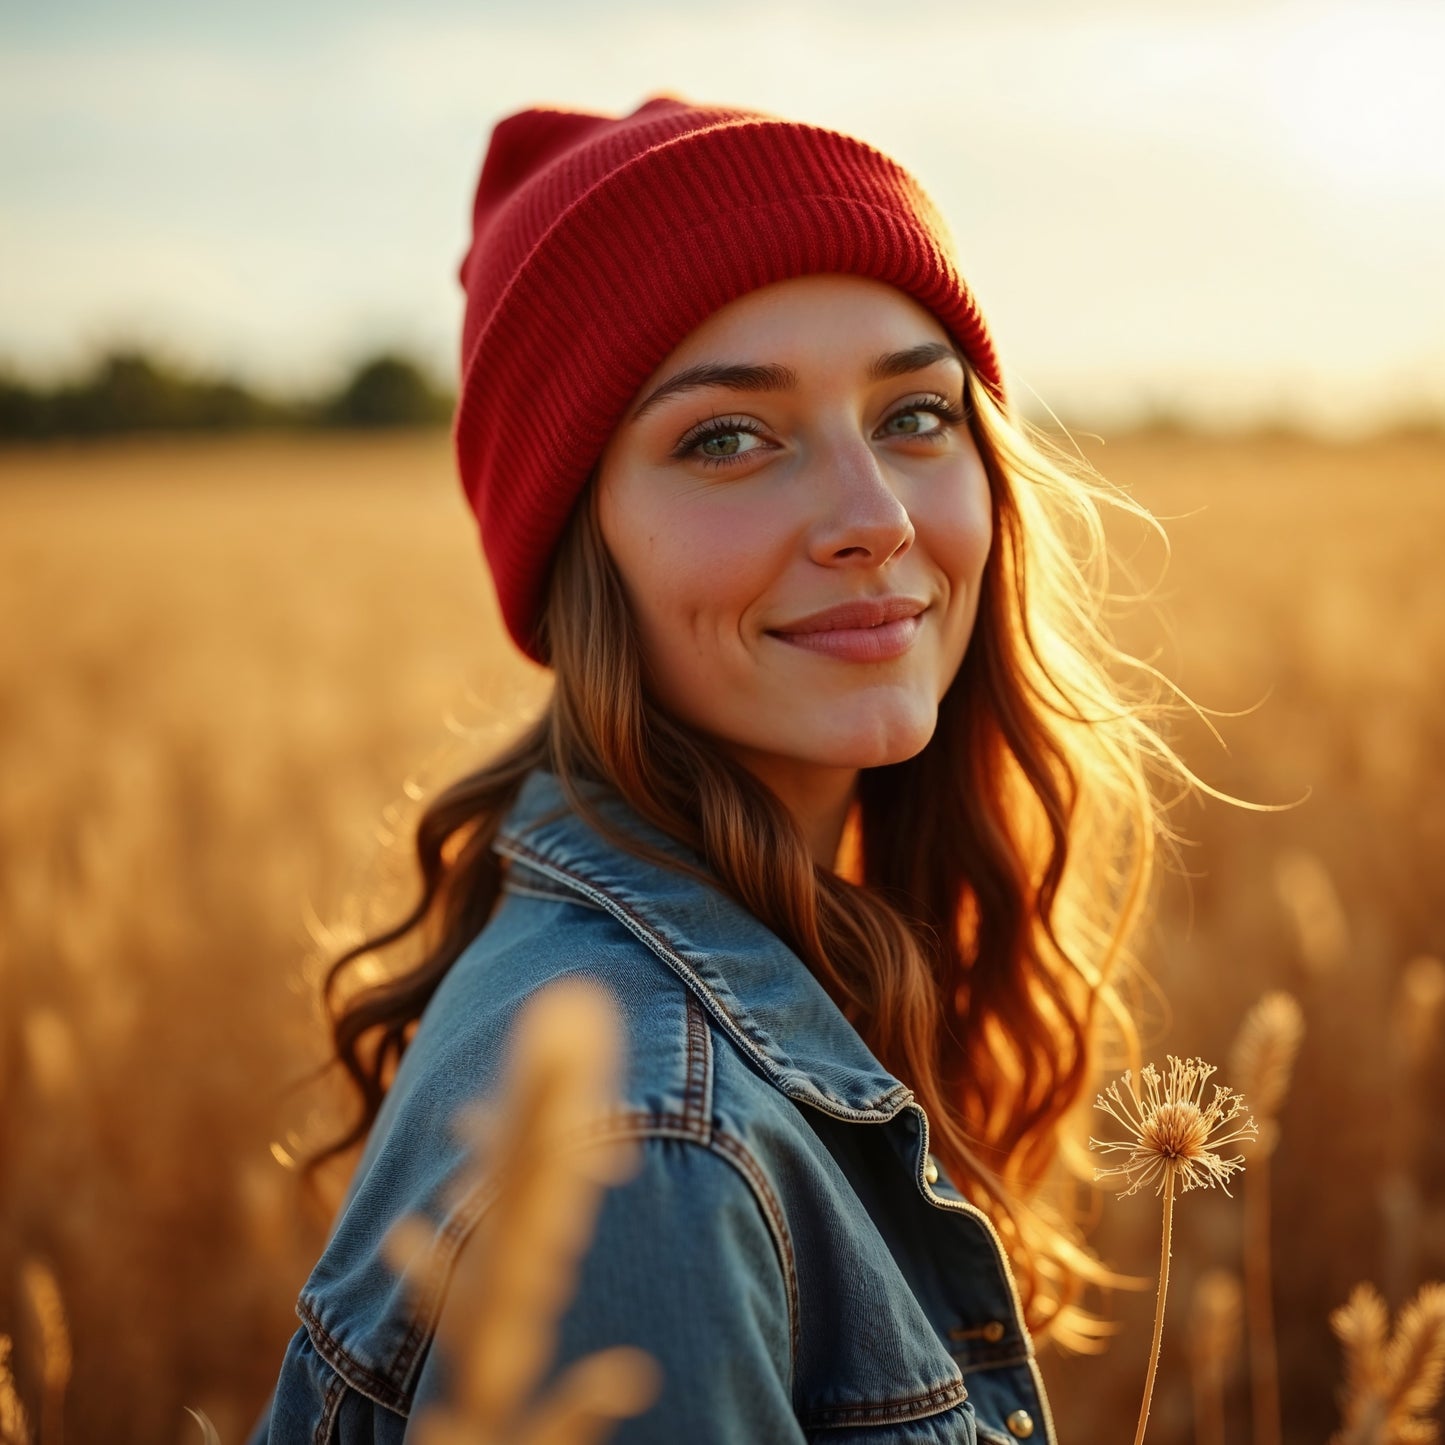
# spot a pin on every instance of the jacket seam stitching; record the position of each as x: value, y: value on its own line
x: 657, y: 943
x: 741, y: 1158
x: 1004, y: 1362
x: 347, y: 1368
x: 697, y: 1086
x: 329, y: 1410
x: 913, y: 1407
x: 739, y: 1026
x: 551, y: 895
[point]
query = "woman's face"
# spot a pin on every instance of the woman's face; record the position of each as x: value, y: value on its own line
x: 800, y: 518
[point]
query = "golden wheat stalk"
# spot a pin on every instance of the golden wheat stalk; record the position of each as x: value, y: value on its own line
x: 14, y: 1423
x: 1419, y: 1007
x: 1213, y: 1344
x: 42, y: 1291
x: 1391, y: 1381
x: 1263, y: 1058
x: 1304, y: 885
x: 1173, y: 1137
x: 519, y: 1269
x: 1262, y: 1063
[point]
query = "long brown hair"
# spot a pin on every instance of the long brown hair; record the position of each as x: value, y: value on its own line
x: 979, y: 924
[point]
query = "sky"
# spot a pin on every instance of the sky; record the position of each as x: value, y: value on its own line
x: 1229, y: 210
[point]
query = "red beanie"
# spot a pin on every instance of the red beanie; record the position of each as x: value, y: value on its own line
x: 600, y: 242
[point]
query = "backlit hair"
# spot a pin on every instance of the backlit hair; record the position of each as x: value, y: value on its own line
x: 978, y: 928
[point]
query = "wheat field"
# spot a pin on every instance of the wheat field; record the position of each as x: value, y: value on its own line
x: 229, y: 666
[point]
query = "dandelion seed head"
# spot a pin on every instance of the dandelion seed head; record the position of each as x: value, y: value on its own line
x: 1177, y: 1131
x: 1171, y: 1132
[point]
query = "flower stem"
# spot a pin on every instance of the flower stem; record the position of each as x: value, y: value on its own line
x: 1159, y: 1303
x: 1264, y: 1371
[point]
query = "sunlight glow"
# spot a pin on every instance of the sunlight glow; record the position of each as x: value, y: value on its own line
x: 1359, y: 95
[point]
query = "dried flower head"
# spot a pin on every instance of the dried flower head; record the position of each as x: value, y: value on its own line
x: 1172, y: 1132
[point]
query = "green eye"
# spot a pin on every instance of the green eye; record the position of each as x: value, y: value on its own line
x: 724, y: 444
x: 934, y: 418
x: 912, y: 421
x: 720, y: 442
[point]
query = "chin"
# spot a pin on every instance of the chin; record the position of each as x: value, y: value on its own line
x: 872, y: 742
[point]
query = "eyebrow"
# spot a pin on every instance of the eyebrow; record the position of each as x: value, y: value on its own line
x: 769, y: 376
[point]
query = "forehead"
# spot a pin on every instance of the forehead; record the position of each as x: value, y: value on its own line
x: 826, y: 317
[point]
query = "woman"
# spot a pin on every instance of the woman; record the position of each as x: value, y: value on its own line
x: 833, y: 793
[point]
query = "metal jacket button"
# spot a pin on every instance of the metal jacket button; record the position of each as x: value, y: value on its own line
x: 1021, y: 1424
x: 930, y: 1171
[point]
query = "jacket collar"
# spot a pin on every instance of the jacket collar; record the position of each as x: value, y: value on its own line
x: 756, y: 987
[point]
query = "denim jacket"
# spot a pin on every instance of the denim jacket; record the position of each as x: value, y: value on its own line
x: 789, y: 1252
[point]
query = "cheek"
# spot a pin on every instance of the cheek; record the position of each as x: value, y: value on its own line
x: 955, y: 524
x: 693, y: 564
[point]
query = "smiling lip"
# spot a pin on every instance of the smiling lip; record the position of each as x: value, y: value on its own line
x: 868, y: 630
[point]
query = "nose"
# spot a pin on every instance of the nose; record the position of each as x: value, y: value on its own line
x: 861, y: 521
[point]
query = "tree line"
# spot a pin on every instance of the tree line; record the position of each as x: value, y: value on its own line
x: 127, y: 390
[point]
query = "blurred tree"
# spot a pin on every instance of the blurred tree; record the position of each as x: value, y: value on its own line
x: 127, y: 390
x: 23, y: 409
x: 389, y: 390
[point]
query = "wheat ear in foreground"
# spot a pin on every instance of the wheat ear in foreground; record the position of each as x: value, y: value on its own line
x: 1392, y: 1380
x: 1261, y: 1063
x: 519, y: 1270
x: 1172, y: 1137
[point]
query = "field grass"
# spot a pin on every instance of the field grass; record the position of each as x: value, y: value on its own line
x: 223, y: 660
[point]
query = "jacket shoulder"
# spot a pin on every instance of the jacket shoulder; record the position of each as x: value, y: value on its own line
x: 683, y: 1261
x: 359, y: 1315
x: 535, y: 938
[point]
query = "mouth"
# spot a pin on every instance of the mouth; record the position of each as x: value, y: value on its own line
x: 871, y: 630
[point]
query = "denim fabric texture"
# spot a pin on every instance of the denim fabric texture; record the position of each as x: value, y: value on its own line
x: 781, y: 1251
